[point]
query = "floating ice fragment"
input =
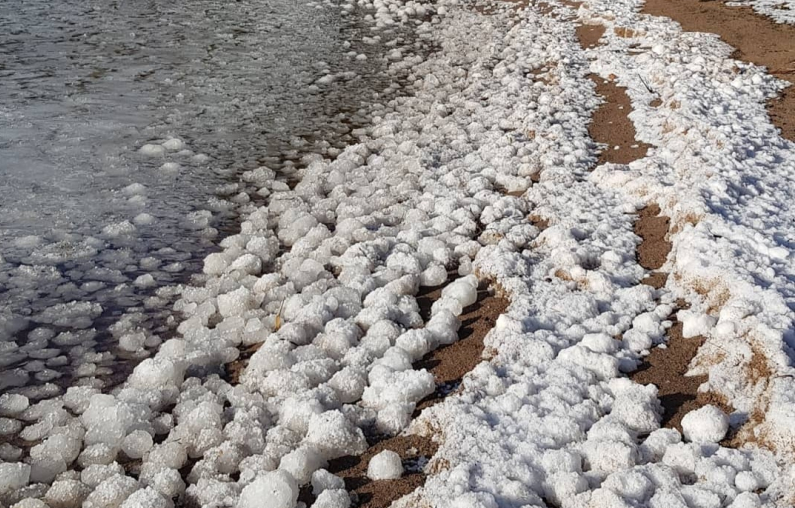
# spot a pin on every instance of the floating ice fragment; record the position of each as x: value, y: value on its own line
x: 136, y: 444
x: 152, y: 150
x: 174, y: 144
x: 134, y: 189
x: 66, y: 494
x: 143, y: 219
x: 13, y: 475
x: 170, y: 167
x: 112, y: 492
x: 123, y: 228
x: 11, y: 404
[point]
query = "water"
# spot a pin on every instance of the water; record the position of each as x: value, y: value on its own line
x: 84, y: 84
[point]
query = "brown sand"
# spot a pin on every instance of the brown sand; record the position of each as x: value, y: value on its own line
x: 611, y: 125
x: 449, y: 363
x: 540, y: 222
x: 235, y: 369
x: 656, y: 280
x: 414, y: 451
x: 666, y: 369
x: 589, y: 35
x: 652, y: 228
x: 757, y: 38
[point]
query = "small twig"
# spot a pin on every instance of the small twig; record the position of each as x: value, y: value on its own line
x: 645, y: 84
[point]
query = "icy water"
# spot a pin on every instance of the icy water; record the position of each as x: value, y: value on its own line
x: 90, y: 224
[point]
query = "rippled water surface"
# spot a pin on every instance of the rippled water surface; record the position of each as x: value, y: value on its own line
x: 85, y: 215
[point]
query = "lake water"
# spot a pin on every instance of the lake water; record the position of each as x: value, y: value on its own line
x: 89, y: 225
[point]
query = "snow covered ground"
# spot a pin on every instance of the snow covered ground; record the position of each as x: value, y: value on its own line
x: 782, y: 11
x: 324, y: 278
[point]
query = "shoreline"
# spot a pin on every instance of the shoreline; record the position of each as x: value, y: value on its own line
x: 346, y: 289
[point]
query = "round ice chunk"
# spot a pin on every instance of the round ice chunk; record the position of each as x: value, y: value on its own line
x: 67, y: 494
x: 111, y: 493
x: 706, y: 425
x: 416, y: 343
x: 302, y: 463
x: 385, y: 466
x: 337, y: 498
x: 95, y: 474
x: 235, y: 302
x: 392, y: 419
x: 170, y: 167
x: 13, y: 475
x: 334, y: 435
x: 247, y: 263
x: 349, y: 384
x: 278, y: 488
x: 156, y: 373
x: 30, y: 502
x: 136, y: 444
x: 434, y: 275
x: 11, y: 404
x: 168, y: 482
x: 323, y: 480
x: 106, y: 420
x: 146, y: 498
x: 169, y: 454
x: 450, y: 305
x: 444, y: 327
x: 694, y: 323
x: 144, y: 281
x: 132, y: 341
x: 746, y: 481
x: 215, y: 264
x: 464, y: 290
x: 9, y: 426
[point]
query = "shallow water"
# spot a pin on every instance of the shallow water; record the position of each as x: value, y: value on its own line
x: 85, y: 84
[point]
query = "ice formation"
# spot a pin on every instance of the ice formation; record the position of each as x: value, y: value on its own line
x: 321, y: 280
